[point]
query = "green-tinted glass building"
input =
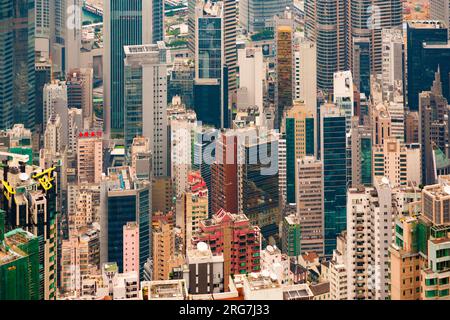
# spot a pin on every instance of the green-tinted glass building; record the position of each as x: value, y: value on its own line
x: 19, y: 264
x: 334, y: 158
x: 291, y: 244
x: 299, y: 134
x: 17, y: 62
x: 126, y: 22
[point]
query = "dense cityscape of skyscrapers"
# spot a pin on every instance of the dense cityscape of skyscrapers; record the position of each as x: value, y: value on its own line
x: 224, y: 150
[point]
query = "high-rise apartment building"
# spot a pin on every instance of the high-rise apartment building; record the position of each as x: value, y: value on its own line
x: 90, y: 157
x: 141, y: 158
x: 192, y: 206
x: 80, y: 257
x: 309, y: 200
x: 305, y: 55
x: 55, y: 101
x: 393, y: 59
x: 369, y: 234
x: 233, y: 236
x: 182, y: 124
x: 419, y: 254
x: 163, y: 249
x: 337, y: 271
x: 397, y: 162
x: 252, y: 75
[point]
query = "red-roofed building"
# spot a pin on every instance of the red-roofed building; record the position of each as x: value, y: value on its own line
x: 233, y: 236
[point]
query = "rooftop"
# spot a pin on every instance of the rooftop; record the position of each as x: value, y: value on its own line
x: 262, y: 280
x: 167, y: 289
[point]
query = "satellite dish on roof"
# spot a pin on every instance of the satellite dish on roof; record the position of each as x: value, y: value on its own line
x: 23, y: 176
x: 447, y: 189
x: 385, y: 180
x: 269, y: 248
x: 201, y: 246
x: 273, y: 276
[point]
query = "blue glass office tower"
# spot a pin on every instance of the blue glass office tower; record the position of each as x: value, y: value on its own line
x: 422, y: 63
x: 333, y: 152
x: 127, y: 200
x: 259, y: 199
x: 157, y: 21
x: 211, y: 74
x: 17, y: 63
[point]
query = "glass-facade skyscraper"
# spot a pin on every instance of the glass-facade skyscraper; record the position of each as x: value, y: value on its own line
x: 256, y: 15
x: 127, y: 200
x: 211, y: 73
x: 17, y: 63
x: 126, y: 22
x: 258, y: 192
x: 334, y: 158
x: 422, y: 63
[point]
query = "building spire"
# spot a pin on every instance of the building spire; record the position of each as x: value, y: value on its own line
x: 437, y: 84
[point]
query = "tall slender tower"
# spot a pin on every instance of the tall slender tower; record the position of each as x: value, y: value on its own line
x: 126, y: 22
x: 17, y: 63
x: 325, y: 24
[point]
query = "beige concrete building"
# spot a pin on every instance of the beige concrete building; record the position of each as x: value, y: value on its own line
x: 162, y: 194
x: 90, y: 157
x: 192, y: 206
x: 396, y: 161
x: 309, y: 199
x: 369, y: 234
x: 163, y: 250
x: 406, y: 262
x: 337, y: 272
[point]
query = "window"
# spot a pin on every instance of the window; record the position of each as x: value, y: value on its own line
x: 431, y: 293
